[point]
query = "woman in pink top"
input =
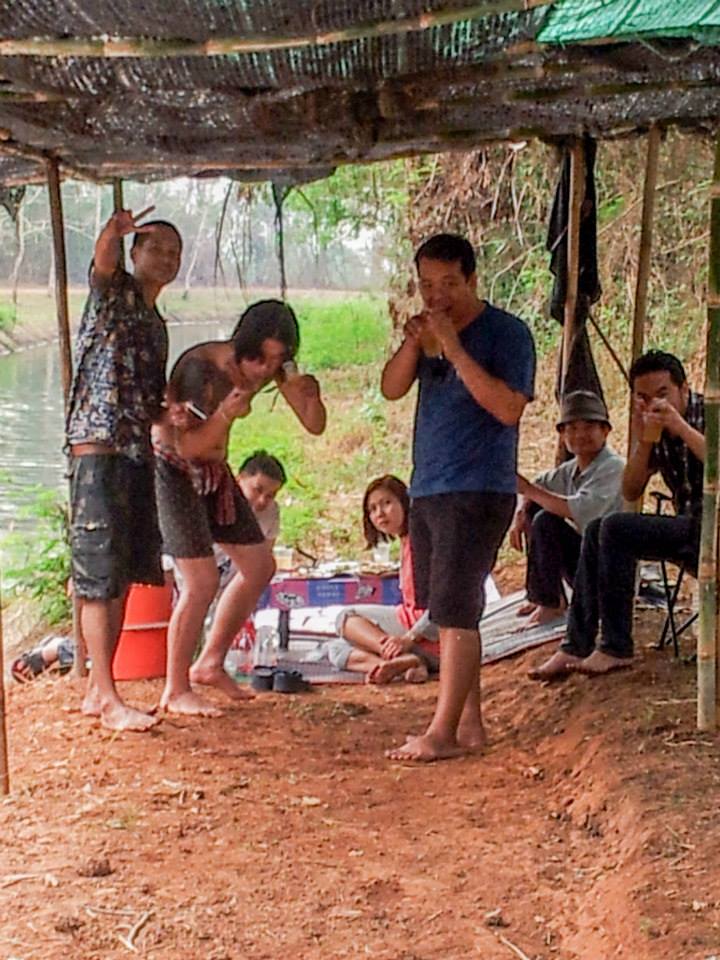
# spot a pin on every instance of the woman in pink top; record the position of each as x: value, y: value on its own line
x: 384, y: 642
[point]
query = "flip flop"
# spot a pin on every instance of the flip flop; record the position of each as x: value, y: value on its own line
x: 28, y: 666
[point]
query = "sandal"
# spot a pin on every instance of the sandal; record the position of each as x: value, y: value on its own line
x: 289, y: 681
x: 28, y: 666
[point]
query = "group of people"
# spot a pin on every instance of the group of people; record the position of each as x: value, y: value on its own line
x: 149, y: 474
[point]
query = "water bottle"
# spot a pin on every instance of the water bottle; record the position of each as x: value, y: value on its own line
x: 232, y: 663
x: 266, y: 647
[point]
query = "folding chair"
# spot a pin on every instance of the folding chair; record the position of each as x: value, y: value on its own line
x: 671, y: 629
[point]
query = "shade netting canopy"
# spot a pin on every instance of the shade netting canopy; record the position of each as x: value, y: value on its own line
x: 288, y: 89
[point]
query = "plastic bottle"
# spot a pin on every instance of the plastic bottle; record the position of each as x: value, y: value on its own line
x: 266, y: 647
x: 232, y: 663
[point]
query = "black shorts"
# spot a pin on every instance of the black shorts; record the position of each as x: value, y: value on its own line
x: 187, y: 519
x: 114, y: 533
x: 455, y: 538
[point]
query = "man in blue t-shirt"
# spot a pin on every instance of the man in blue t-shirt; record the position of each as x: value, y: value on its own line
x: 475, y: 365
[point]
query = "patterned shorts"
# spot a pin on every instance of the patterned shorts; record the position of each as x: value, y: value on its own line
x: 187, y: 519
x: 114, y: 533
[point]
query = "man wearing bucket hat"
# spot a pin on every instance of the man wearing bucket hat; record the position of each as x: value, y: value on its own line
x: 199, y: 503
x: 669, y: 425
x: 557, y: 507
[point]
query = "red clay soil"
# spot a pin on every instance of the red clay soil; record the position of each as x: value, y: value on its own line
x: 589, y: 828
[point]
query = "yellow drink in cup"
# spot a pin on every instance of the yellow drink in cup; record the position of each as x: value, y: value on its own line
x: 651, y: 431
x: 430, y: 344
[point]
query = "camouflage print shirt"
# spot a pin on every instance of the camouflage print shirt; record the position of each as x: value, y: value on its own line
x: 121, y: 354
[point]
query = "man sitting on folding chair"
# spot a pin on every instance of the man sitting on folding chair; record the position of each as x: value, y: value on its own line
x: 669, y: 422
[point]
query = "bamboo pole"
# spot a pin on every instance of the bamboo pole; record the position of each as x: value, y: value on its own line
x: 258, y: 43
x: 644, y: 255
x: 61, y: 286
x: 119, y: 204
x: 63, y: 318
x: 707, y: 653
x: 577, y: 195
x: 4, y: 767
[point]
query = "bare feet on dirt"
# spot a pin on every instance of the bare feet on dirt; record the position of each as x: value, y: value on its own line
x: 389, y: 669
x: 542, y: 615
x: 91, y: 705
x: 216, y: 677
x: 599, y: 663
x: 117, y: 715
x: 557, y: 667
x: 416, y: 674
x: 472, y: 736
x: 189, y: 704
x: 426, y: 749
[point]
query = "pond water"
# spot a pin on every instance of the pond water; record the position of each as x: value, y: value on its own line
x: 32, y: 422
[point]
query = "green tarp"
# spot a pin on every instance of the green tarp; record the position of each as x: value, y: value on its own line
x: 577, y: 21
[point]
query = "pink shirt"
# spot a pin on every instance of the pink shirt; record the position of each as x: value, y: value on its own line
x: 408, y: 612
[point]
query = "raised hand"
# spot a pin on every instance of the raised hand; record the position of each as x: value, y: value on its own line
x: 123, y: 222
x: 236, y: 404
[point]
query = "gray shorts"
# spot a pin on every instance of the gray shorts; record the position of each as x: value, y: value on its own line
x: 338, y: 650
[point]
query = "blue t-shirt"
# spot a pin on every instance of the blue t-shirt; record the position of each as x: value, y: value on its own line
x: 457, y: 445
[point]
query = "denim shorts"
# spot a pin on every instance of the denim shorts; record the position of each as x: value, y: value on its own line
x: 114, y: 533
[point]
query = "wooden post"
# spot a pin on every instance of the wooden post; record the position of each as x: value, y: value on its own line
x: 577, y: 195
x: 63, y: 316
x: 119, y: 204
x: 644, y: 254
x: 4, y: 768
x: 707, y: 654
x: 61, y: 286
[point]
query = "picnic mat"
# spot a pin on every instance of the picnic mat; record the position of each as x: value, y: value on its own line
x: 500, y: 625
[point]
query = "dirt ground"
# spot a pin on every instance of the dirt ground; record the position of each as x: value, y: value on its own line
x: 588, y: 829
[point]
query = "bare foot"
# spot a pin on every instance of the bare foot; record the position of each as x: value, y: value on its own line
x: 542, y: 615
x: 599, y: 663
x: 216, y: 677
x: 426, y: 749
x: 557, y: 667
x: 417, y: 674
x: 91, y: 705
x: 118, y: 716
x: 472, y: 737
x: 389, y: 669
x: 189, y: 704
x: 526, y: 608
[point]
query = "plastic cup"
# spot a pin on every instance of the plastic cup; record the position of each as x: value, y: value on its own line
x: 651, y: 431
x: 290, y: 369
x: 284, y: 558
x: 430, y: 344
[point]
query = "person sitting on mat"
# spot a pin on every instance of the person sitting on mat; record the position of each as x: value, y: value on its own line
x: 557, y: 507
x: 386, y: 643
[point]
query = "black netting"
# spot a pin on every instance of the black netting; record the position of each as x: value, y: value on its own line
x: 313, y: 106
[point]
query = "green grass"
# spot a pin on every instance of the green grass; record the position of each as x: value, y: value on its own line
x: 8, y: 316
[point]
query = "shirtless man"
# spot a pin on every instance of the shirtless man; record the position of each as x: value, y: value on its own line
x: 199, y: 503
x: 117, y: 393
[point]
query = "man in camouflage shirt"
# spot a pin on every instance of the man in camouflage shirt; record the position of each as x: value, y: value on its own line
x: 117, y: 394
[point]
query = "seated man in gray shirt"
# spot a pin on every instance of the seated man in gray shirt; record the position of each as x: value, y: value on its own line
x: 558, y: 506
